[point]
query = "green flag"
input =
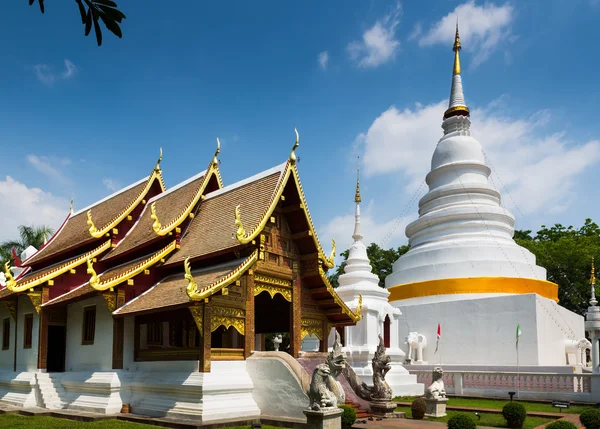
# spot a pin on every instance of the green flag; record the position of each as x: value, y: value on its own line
x: 518, y: 333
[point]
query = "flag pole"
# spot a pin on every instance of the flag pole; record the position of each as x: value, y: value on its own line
x: 518, y: 372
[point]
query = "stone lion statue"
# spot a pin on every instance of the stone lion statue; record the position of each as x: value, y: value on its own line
x: 436, y: 389
x: 319, y: 395
x: 381, y: 365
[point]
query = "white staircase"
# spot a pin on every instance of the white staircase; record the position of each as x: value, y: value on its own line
x: 51, y: 391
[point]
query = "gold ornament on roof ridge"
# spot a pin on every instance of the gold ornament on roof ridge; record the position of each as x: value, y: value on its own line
x: 217, y: 152
x: 71, y: 206
x: 156, y: 226
x: 293, y: 157
x: 357, y: 195
x: 10, y: 280
x: 93, y: 230
x: 192, y: 287
x: 160, y: 156
x: 94, y: 279
x: 240, y: 232
x: 331, y: 258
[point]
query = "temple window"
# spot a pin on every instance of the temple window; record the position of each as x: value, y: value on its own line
x: 28, y: 331
x: 386, y: 331
x: 89, y: 325
x: 169, y: 335
x: 6, y: 334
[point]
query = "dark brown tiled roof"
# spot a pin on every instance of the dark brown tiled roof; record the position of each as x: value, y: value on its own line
x: 5, y: 292
x: 172, y: 290
x: 213, y: 229
x: 83, y: 290
x: 76, y: 230
x: 169, y: 206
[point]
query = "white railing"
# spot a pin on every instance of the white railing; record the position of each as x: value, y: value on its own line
x: 530, y: 385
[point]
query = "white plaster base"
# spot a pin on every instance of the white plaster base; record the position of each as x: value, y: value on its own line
x: 436, y: 407
x: 19, y: 389
x: 328, y: 418
x: 398, y: 378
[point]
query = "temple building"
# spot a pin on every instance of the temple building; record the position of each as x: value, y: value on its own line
x: 465, y: 272
x: 155, y: 298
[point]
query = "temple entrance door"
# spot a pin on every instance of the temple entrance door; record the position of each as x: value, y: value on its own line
x: 386, y: 331
x: 57, y: 347
x: 271, y: 316
x: 57, y: 340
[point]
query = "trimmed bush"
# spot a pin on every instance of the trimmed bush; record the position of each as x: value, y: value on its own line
x: 461, y: 421
x: 418, y: 408
x: 590, y: 418
x: 349, y: 416
x: 515, y: 415
x: 561, y: 424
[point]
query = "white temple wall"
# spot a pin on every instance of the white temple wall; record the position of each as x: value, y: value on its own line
x: 27, y: 359
x: 556, y: 325
x: 7, y: 356
x: 94, y: 357
x: 475, y: 331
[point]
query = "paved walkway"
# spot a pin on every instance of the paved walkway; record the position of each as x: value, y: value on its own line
x: 406, y: 424
x: 493, y: 410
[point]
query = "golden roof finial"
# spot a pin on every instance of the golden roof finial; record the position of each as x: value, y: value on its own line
x: 156, y: 226
x: 191, y: 287
x: 8, y: 276
x: 456, y: 48
x: 293, y: 158
x: 240, y: 233
x: 357, y: 195
x: 71, y: 206
x: 593, y: 275
x: 217, y: 152
x: 157, y: 168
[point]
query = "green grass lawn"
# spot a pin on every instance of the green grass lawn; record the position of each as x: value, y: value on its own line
x: 487, y: 419
x: 17, y: 421
x: 499, y: 403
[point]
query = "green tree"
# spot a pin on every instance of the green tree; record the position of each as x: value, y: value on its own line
x: 92, y: 11
x: 566, y: 253
x: 34, y: 236
x: 381, y: 261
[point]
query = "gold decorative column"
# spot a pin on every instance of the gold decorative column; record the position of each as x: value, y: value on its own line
x: 296, y: 315
x: 118, y: 332
x: 204, y: 364
x: 248, y: 282
x: 43, y: 326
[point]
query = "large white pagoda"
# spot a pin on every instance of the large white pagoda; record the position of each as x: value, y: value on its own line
x: 358, y: 285
x: 465, y: 271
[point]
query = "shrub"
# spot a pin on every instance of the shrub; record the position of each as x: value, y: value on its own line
x: 461, y: 421
x: 590, y: 418
x: 561, y: 424
x: 515, y: 415
x: 349, y: 416
x: 418, y: 408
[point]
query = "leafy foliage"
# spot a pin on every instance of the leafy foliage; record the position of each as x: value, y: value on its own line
x: 418, y: 408
x: 561, y: 424
x: 566, y: 253
x: 349, y: 416
x: 381, y: 261
x: 590, y: 418
x: 515, y: 415
x: 105, y: 10
x: 28, y: 236
x: 461, y: 421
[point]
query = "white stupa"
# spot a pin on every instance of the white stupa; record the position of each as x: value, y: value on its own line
x: 465, y: 271
x: 358, y: 284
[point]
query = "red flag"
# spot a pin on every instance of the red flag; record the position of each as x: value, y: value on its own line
x: 439, y: 333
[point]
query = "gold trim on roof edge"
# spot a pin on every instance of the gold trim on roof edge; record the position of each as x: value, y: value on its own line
x: 355, y: 316
x: 207, y: 291
x: 97, y: 233
x: 213, y: 168
x: 103, y: 285
x: 57, y: 271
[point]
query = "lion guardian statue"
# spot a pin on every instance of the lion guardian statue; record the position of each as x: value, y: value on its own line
x: 436, y: 388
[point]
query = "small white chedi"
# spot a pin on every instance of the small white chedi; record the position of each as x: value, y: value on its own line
x: 358, y: 284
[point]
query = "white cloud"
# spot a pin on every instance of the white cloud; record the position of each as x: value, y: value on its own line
x: 110, y: 184
x: 49, y: 76
x: 482, y: 29
x: 417, y: 31
x: 387, y: 233
x: 20, y: 205
x: 379, y: 44
x: 538, y: 169
x: 50, y: 166
x: 323, y: 59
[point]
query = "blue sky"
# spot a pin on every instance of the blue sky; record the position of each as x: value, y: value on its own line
x: 357, y: 78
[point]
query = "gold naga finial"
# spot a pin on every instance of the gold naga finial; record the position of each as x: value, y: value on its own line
x: 357, y: 195
x: 10, y: 280
x: 192, y: 287
x: 293, y: 158
x: 331, y: 258
x: 94, y: 279
x: 71, y: 206
x: 157, y: 168
x: 217, y: 152
x: 593, y: 275
x: 456, y: 48
x: 241, y: 232
x: 93, y: 230
x: 156, y: 226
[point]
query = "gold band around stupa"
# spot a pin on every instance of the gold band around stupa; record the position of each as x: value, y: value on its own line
x: 474, y: 285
